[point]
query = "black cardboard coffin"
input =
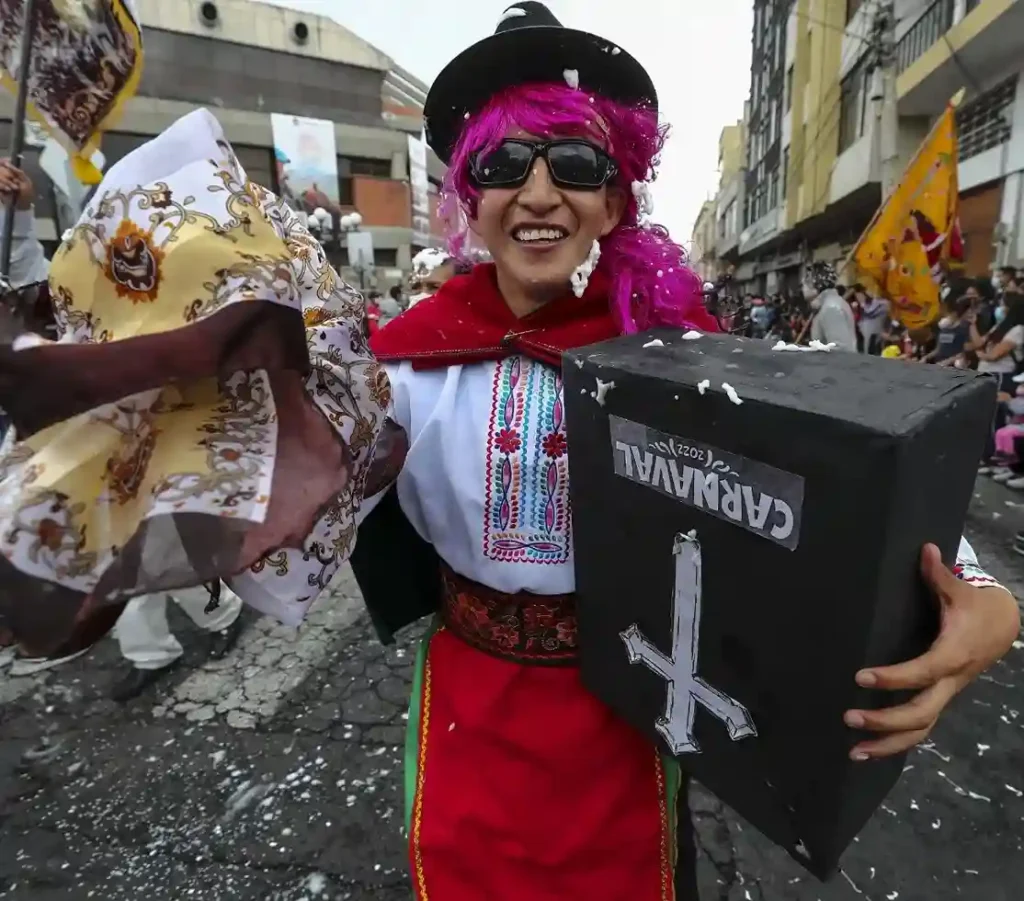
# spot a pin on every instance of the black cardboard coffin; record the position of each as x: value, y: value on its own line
x: 776, y: 542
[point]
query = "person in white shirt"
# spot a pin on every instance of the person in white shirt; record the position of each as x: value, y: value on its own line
x: 833, y: 321
x: 148, y: 644
x: 874, y: 313
x: 29, y: 265
x: 1001, y: 351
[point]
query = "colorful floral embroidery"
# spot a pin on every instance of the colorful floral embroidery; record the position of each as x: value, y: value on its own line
x: 967, y: 568
x: 527, y: 493
x: 973, y: 574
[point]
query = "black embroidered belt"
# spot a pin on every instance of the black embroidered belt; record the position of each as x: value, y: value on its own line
x: 538, y: 629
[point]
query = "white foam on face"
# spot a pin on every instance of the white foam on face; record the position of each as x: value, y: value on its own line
x: 703, y: 386
x: 644, y: 200
x: 580, y: 277
x: 655, y: 342
x: 572, y: 78
x: 512, y: 12
x: 730, y: 392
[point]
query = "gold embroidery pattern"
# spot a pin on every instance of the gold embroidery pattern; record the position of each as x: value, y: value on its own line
x: 147, y: 261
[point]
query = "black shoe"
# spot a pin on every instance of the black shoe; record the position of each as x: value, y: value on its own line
x: 223, y: 641
x: 136, y: 681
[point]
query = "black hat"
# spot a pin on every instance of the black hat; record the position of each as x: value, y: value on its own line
x: 529, y: 46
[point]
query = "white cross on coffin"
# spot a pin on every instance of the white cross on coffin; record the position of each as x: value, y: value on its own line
x: 684, y: 688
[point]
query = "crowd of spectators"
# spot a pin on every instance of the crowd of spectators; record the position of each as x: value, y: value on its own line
x: 981, y: 327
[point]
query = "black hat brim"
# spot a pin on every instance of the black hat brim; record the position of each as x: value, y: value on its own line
x: 528, y: 56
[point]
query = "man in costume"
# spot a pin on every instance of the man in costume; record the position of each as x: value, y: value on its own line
x: 833, y: 321
x: 522, y: 784
x: 431, y: 268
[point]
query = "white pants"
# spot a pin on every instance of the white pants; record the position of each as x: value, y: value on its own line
x: 145, y: 638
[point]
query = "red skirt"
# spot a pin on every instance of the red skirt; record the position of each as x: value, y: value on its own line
x: 522, y: 786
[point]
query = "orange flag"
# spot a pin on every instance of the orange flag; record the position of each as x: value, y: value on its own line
x: 915, y: 235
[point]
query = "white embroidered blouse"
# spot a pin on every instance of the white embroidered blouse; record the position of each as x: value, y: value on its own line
x: 486, y: 479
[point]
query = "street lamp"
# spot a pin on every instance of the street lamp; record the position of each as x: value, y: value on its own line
x: 329, y: 232
x: 350, y: 222
x: 359, y: 245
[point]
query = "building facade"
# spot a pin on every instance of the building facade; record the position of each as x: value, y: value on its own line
x: 246, y: 60
x: 832, y: 148
x: 768, y: 136
x: 703, y: 253
x: 979, y: 45
x: 732, y: 166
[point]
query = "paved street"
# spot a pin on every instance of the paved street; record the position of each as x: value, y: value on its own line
x: 275, y: 775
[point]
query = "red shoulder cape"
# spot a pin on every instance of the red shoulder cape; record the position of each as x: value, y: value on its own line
x: 468, y: 321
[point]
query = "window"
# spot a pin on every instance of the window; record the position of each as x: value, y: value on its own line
x: 789, y: 89
x: 785, y: 170
x: 258, y: 163
x: 985, y: 122
x: 359, y: 165
x: 362, y: 166
x: 852, y: 99
x: 773, y: 189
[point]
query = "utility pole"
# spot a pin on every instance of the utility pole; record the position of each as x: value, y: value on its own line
x: 885, y: 139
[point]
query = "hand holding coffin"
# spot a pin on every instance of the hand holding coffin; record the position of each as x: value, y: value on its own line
x: 978, y: 626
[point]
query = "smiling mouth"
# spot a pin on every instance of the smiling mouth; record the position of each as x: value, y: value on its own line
x: 539, y: 236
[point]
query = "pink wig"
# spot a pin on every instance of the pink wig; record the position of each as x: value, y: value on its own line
x: 651, y: 283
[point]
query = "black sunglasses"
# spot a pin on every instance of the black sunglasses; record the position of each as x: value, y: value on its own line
x: 573, y: 164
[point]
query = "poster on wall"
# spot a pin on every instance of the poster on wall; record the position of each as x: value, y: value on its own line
x: 419, y: 192
x: 306, y: 159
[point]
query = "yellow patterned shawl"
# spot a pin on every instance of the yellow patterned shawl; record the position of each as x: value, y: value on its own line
x: 210, y: 410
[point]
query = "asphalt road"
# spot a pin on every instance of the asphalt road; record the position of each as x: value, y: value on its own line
x: 275, y: 775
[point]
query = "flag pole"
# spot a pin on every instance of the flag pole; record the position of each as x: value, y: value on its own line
x: 954, y: 102
x: 17, y: 150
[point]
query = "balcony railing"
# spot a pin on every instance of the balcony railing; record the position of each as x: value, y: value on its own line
x: 985, y: 122
x: 933, y: 24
